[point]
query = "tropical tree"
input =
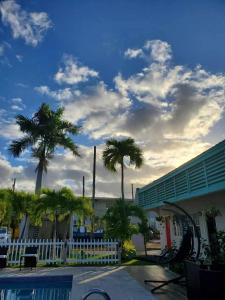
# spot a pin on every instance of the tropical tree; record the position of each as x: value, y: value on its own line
x: 119, y: 224
x: 22, y: 204
x: 5, y: 207
x: 117, y: 220
x: 116, y: 151
x: 14, y: 207
x: 43, y: 133
x: 59, y: 206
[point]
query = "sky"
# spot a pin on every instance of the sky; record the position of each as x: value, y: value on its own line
x: 146, y: 69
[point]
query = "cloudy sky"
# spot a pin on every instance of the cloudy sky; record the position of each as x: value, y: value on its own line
x: 152, y: 70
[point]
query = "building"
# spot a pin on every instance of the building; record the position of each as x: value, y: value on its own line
x: 197, y: 186
x: 101, y: 205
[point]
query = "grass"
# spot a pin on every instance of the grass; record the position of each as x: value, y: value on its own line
x: 135, y: 262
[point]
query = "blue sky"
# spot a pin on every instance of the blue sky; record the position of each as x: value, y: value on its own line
x: 153, y: 70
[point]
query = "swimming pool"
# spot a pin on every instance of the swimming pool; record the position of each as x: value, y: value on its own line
x: 36, y: 288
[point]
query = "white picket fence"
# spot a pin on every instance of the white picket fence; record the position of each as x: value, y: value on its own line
x: 70, y: 251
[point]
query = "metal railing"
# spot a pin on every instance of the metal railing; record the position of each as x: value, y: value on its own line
x: 96, y: 292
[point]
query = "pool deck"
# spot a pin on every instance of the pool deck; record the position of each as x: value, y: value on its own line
x: 120, y: 282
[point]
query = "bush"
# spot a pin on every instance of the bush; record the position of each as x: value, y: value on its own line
x: 128, y: 250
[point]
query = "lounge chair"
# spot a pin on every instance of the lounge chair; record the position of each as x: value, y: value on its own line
x: 3, y: 256
x: 184, y: 252
x: 165, y: 254
x: 30, y: 258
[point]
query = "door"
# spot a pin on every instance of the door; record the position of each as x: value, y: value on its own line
x: 168, y: 233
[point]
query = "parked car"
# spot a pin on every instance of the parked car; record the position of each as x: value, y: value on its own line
x: 5, y: 235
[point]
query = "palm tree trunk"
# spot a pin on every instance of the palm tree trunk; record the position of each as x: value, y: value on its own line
x: 13, y: 232
x: 24, y: 226
x: 122, y: 181
x: 39, y: 178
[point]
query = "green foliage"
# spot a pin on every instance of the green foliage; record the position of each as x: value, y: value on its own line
x: 13, y: 207
x: 115, y: 152
x: 5, y: 207
x: 207, y: 255
x: 117, y: 219
x: 96, y: 222
x: 58, y: 206
x: 118, y: 222
x: 63, y: 203
x: 22, y: 205
x: 129, y: 251
x: 212, y: 212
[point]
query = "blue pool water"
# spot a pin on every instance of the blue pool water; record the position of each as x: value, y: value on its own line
x: 36, y: 288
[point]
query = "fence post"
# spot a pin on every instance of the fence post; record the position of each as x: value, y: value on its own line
x: 119, y: 252
x: 64, y: 252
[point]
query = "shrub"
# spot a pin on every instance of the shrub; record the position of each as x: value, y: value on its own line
x: 128, y: 250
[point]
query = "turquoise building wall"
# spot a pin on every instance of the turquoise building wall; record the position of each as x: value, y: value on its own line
x: 202, y: 175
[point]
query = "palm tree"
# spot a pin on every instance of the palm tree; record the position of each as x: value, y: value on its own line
x: 118, y: 222
x: 114, y: 154
x: 22, y: 206
x: 59, y: 206
x: 5, y: 207
x: 43, y: 133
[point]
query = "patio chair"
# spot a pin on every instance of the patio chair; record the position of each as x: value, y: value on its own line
x: 3, y: 256
x: 165, y: 254
x: 30, y: 257
x: 185, y: 251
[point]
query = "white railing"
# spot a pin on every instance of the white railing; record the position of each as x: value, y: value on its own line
x: 70, y: 251
x: 93, y: 251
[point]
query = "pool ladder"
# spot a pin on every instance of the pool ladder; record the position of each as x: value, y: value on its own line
x: 97, y: 292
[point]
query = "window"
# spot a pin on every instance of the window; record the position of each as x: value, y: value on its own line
x: 177, y: 226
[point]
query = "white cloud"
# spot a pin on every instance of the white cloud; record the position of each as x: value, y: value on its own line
x: 9, y: 130
x: 60, y: 95
x: 169, y: 110
x: 160, y: 51
x: 29, y: 26
x: 133, y: 53
x: 176, y: 102
x: 22, y: 85
x: 19, y: 57
x: 72, y: 72
x: 7, y: 172
x: 17, y: 104
x: 97, y: 107
x: 2, y: 50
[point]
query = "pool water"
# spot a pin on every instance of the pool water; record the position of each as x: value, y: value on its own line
x: 36, y: 288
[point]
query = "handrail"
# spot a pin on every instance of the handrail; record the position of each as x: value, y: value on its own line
x: 98, y: 292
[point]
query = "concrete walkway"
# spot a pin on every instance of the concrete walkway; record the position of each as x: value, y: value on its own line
x: 154, y: 272
x: 116, y: 281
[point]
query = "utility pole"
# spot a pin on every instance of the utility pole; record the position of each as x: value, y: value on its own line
x: 94, y: 175
x: 132, y: 191
x: 14, y: 184
x: 83, y: 186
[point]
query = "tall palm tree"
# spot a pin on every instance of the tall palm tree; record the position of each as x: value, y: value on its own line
x: 43, y: 133
x: 114, y: 154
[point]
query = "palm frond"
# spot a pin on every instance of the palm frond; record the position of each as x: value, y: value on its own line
x: 18, y: 146
x: 67, y: 143
x: 27, y: 125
